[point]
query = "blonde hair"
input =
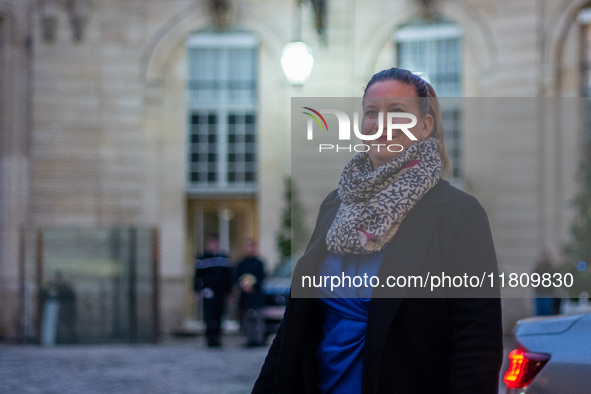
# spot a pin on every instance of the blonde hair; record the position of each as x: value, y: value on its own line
x: 430, y: 106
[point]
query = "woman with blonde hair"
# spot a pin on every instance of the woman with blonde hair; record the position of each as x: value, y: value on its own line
x: 392, y: 212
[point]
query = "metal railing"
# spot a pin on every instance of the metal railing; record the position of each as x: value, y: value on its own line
x: 104, y: 282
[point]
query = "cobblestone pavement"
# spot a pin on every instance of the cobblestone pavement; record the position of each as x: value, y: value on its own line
x: 175, y: 366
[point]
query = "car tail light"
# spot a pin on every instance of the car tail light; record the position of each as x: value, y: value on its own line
x: 523, y: 368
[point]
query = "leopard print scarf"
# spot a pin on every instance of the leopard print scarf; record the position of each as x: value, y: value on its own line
x: 374, y: 202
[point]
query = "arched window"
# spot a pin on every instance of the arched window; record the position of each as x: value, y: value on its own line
x: 434, y: 51
x: 222, y: 112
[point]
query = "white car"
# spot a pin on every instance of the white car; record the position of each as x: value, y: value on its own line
x: 553, y: 355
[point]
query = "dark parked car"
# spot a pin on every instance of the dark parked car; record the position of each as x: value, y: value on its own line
x: 553, y: 356
x: 276, y: 289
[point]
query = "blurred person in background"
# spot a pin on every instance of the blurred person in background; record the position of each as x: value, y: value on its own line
x: 62, y: 292
x: 250, y: 274
x: 212, y: 283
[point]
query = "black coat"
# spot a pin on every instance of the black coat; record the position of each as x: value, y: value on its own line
x: 413, y: 345
x: 254, y: 266
x: 213, y: 271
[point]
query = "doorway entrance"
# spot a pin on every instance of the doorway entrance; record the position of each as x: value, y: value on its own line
x: 233, y: 220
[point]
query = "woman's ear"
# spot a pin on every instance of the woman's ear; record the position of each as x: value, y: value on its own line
x: 427, y: 127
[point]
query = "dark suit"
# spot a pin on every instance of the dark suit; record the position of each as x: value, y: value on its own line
x: 413, y: 345
x: 213, y: 279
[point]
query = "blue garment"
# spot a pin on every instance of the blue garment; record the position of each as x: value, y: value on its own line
x: 340, y: 353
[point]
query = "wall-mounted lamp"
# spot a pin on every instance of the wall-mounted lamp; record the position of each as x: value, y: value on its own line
x: 296, y: 58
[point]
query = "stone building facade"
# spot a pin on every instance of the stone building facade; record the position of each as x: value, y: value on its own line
x: 99, y: 101
x: 15, y: 148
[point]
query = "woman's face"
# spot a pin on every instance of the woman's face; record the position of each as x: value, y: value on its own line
x: 391, y: 96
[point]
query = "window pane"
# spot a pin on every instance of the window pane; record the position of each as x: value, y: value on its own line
x: 203, y: 148
x: 241, y: 147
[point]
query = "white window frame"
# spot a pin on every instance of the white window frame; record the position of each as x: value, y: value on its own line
x: 222, y: 107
